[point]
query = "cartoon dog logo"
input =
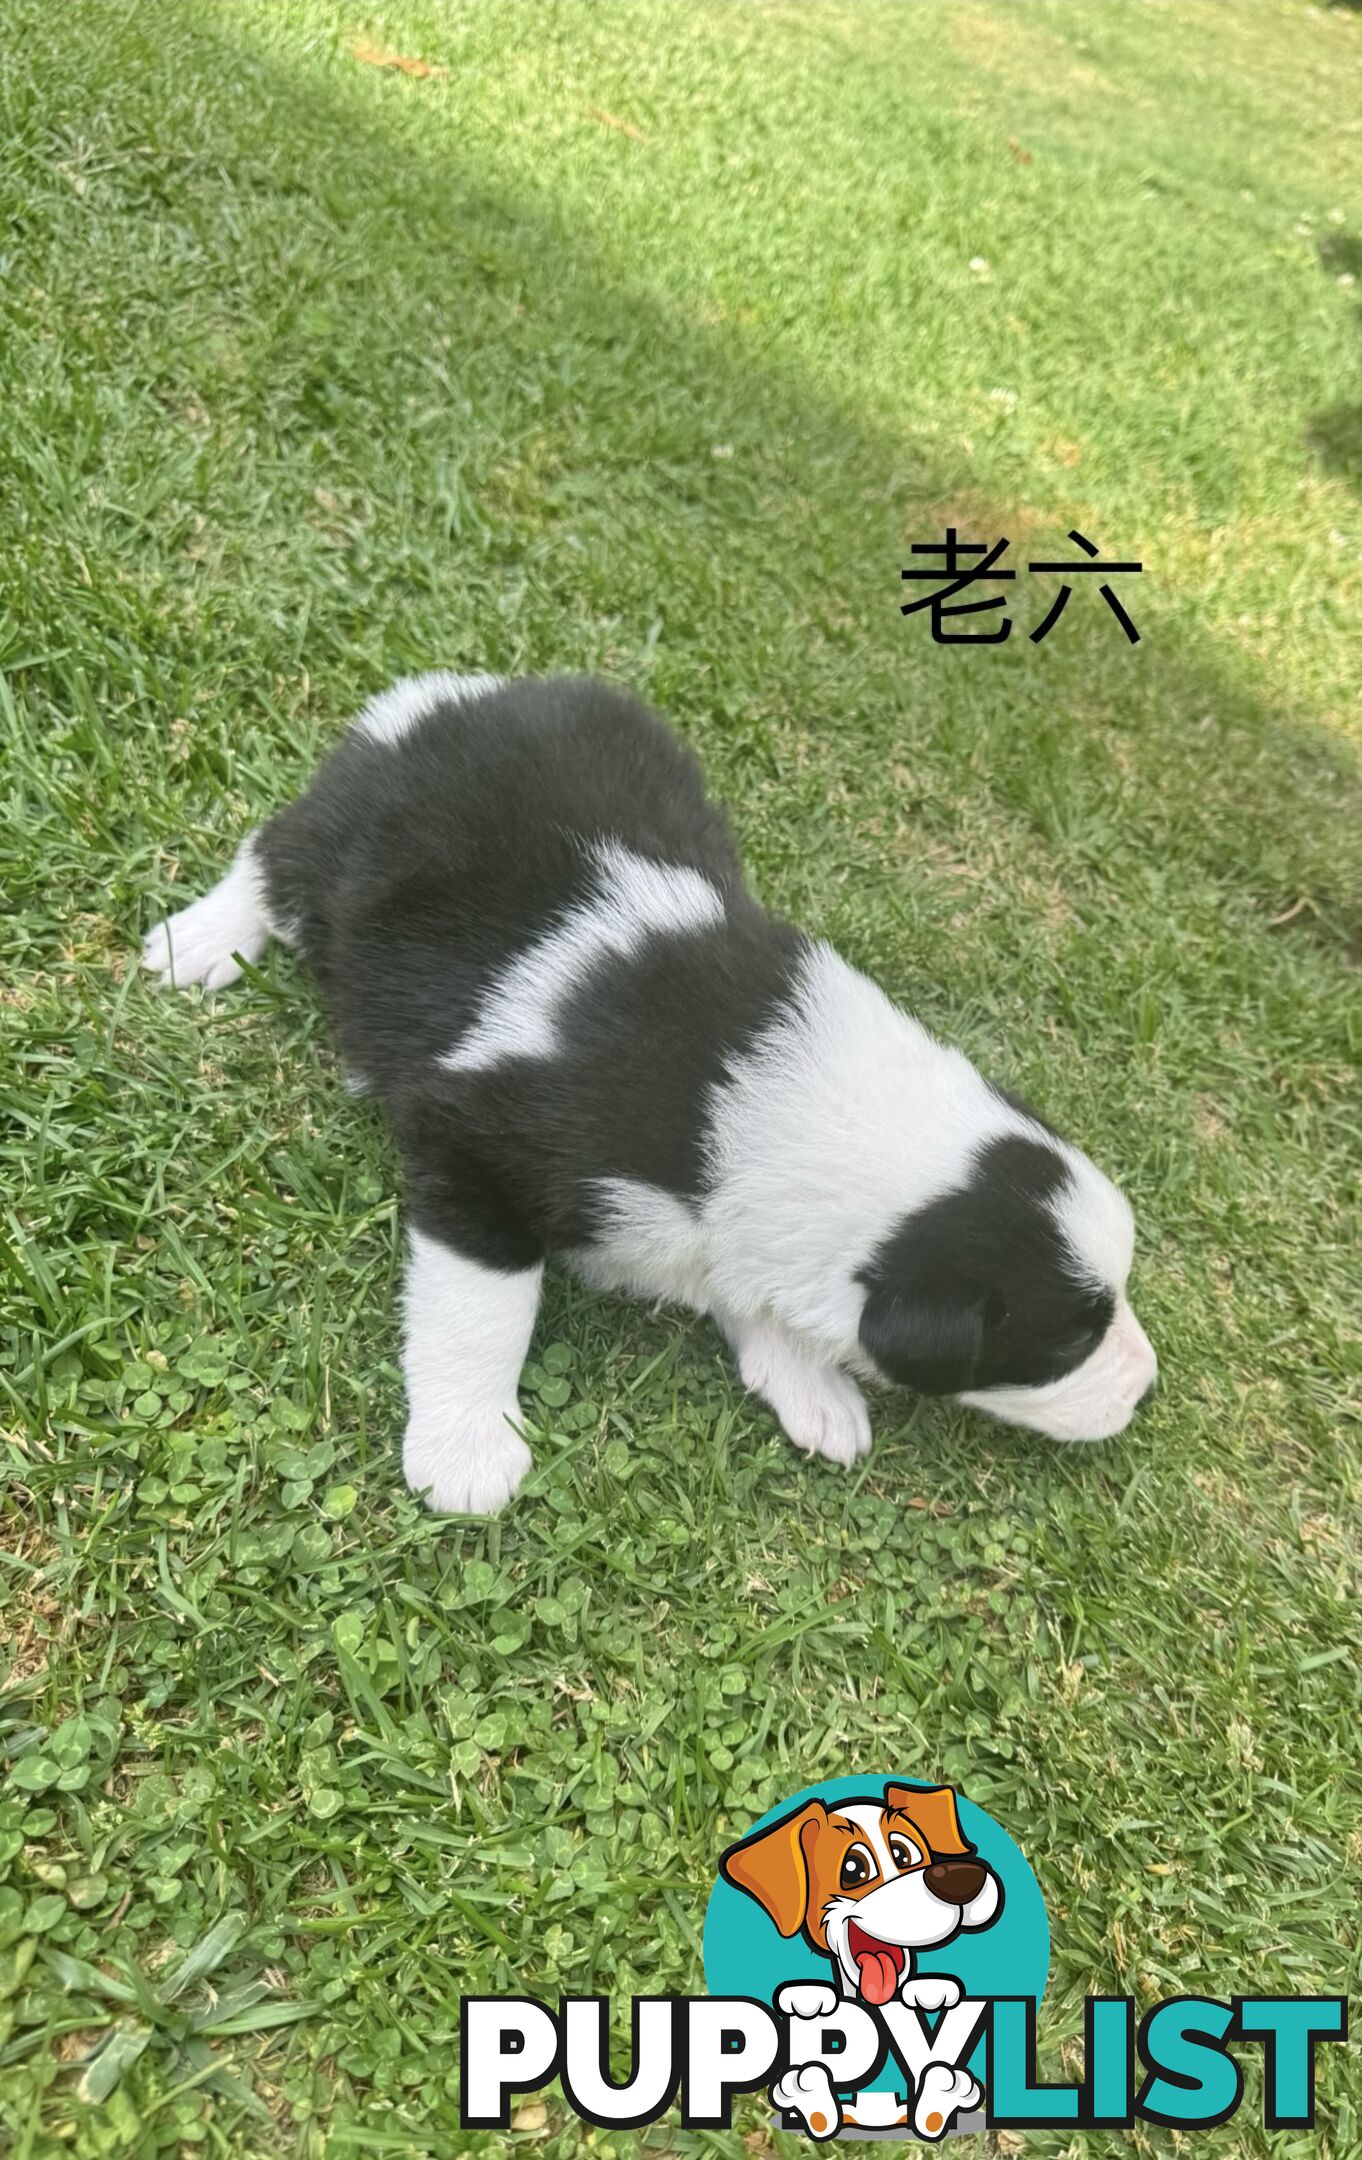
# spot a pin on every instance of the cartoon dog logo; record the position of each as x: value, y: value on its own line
x: 867, y: 1883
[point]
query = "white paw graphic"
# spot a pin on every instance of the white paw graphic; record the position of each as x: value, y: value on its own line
x: 942, y: 2094
x: 808, y: 2093
x: 930, y: 1991
x: 806, y: 1999
x: 468, y: 1469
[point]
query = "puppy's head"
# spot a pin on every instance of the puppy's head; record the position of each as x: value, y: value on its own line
x: 868, y: 1882
x: 1010, y: 1293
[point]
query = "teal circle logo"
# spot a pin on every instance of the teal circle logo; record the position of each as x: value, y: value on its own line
x: 886, y: 1890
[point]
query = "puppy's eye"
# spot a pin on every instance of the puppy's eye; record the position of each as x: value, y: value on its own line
x: 857, y: 1868
x: 905, y: 1852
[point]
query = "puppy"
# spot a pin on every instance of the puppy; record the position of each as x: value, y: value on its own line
x: 867, y: 1883
x: 531, y: 930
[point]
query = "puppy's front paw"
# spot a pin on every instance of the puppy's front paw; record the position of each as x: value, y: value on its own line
x: 943, y: 2094
x: 808, y: 2093
x: 806, y: 1999
x: 930, y: 1991
x: 838, y: 1423
x: 824, y: 1413
x: 470, y: 1468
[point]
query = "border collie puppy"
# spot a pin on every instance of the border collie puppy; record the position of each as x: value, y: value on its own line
x: 532, y: 934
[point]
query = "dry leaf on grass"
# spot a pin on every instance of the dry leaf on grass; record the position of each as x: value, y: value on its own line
x: 612, y: 120
x: 375, y: 56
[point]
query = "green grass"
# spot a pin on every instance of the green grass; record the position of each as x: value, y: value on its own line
x: 315, y: 374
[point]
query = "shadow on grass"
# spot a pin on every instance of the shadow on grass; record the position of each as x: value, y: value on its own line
x: 1335, y: 433
x: 1167, y: 753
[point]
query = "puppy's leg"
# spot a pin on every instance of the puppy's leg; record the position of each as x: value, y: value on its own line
x: 943, y: 2093
x: 200, y: 944
x: 821, y: 1410
x: 467, y: 1333
x: 807, y: 2094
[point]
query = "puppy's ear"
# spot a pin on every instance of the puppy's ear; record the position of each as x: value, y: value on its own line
x: 926, y: 1338
x: 935, y: 1814
x: 773, y: 1866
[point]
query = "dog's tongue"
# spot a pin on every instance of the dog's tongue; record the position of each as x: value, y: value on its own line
x: 878, y: 1973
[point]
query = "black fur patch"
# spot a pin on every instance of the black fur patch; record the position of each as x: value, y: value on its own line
x: 980, y: 1289
x: 417, y: 871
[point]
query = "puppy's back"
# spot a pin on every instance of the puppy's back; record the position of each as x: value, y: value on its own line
x: 451, y: 825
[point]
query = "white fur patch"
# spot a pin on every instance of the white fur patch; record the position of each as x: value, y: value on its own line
x: 1097, y: 1222
x: 395, y: 711
x: 467, y: 1334
x: 843, y: 1118
x: 200, y: 944
x: 634, y: 899
x: 650, y: 1244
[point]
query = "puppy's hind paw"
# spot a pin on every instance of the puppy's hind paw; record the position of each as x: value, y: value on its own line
x: 808, y: 2093
x: 943, y: 2094
x: 470, y: 1468
x: 201, y: 943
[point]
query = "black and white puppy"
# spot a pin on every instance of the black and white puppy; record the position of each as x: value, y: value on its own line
x: 531, y: 930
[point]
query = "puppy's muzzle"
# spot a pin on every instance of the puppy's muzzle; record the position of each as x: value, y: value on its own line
x: 955, y: 1882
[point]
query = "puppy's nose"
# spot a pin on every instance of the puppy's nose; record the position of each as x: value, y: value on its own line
x: 1150, y: 1392
x: 956, y: 1882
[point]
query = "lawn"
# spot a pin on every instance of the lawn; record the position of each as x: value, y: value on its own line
x: 649, y: 340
